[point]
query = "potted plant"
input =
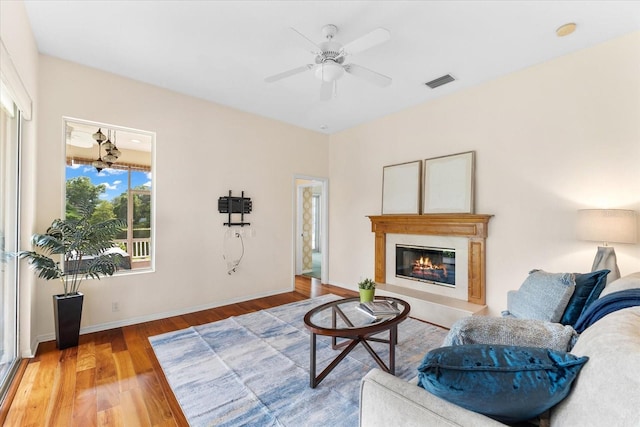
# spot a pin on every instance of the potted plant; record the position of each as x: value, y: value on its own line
x: 84, y: 247
x: 367, y: 289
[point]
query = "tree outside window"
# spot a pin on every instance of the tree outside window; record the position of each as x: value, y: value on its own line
x: 122, y: 189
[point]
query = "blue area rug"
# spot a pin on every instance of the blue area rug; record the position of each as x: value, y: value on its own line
x: 254, y: 369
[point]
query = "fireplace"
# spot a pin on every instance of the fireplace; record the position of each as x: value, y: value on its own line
x: 441, y: 305
x: 470, y: 227
x: 426, y: 264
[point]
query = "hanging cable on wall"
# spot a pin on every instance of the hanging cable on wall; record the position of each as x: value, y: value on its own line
x: 232, y: 249
x: 233, y: 244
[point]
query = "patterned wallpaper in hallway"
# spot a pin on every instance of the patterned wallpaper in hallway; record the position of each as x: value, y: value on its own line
x: 307, y: 222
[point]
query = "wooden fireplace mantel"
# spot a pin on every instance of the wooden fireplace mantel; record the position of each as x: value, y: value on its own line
x: 472, y: 226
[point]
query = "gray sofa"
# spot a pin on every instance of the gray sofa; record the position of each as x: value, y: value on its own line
x: 606, y: 392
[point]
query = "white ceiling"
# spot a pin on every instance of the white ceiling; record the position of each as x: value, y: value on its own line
x: 221, y: 51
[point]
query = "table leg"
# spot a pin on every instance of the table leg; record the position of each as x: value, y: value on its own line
x: 375, y: 356
x: 393, y: 339
x: 328, y: 369
x: 334, y: 340
x: 312, y: 361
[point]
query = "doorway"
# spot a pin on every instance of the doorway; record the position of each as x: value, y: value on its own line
x: 311, y: 232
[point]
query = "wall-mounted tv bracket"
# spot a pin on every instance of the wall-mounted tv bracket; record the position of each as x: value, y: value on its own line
x: 235, y: 205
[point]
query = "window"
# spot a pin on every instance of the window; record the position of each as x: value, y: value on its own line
x: 9, y: 237
x: 115, y: 177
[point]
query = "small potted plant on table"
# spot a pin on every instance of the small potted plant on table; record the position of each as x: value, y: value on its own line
x: 367, y: 289
x: 84, y: 247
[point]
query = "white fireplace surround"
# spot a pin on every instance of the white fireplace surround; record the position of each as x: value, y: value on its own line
x: 462, y: 260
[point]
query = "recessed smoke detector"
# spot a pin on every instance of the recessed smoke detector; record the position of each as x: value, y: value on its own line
x: 566, y: 29
x: 447, y: 78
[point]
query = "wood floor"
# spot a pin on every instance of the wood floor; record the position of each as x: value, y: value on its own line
x: 113, y: 378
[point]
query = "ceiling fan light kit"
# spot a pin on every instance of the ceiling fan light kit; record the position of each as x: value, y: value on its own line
x: 330, y: 57
x: 329, y: 71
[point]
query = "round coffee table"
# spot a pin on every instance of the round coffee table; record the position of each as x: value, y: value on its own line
x: 343, y: 319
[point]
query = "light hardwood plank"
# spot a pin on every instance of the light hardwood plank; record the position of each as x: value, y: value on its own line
x: 19, y: 406
x: 107, y: 389
x: 86, y: 356
x: 125, y: 372
x: 134, y: 411
x: 41, y: 391
x: 113, y: 377
x: 60, y: 408
x: 85, y: 404
x: 154, y: 399
x: 111, y: 417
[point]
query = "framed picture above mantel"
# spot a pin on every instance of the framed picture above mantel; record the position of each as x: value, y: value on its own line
x: 449, y: 184
x: 402, y: 188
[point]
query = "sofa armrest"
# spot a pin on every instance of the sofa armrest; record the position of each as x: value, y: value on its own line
x: 386, y: 400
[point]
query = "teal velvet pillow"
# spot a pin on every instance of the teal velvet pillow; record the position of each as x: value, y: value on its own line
x: 507, y: 383
x: 588, y: 289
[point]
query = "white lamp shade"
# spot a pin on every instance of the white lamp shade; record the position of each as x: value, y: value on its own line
x: 608, y: 225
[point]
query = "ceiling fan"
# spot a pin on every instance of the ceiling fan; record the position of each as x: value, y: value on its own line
x: 330, y: 56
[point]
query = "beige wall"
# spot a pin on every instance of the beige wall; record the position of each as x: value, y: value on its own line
x: 549, y: 140
x: 203, y: 151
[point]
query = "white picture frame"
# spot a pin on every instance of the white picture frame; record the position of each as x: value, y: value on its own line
x: 449, y: 184
x: 401, y: 188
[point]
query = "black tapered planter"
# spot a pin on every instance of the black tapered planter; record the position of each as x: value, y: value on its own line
x: 67, y: 311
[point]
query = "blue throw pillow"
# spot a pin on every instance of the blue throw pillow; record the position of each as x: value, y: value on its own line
x: 588, y: 289
x: 507, y: 383
x: 542, y: 296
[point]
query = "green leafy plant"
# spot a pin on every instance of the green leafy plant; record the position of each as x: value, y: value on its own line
x: 82, y: 245
x: 367, y: 284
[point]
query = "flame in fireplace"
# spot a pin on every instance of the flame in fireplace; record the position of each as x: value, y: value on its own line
x: 425, y: 267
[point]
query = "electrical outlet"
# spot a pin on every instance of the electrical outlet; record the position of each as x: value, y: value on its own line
x: 115, y: 307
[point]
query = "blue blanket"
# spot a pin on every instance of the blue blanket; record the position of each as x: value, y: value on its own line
x: 605, y: 305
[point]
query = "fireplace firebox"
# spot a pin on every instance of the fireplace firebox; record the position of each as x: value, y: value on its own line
x: 426, y: 264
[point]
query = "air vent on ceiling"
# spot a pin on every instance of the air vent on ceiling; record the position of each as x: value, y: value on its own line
x: 447, y: 78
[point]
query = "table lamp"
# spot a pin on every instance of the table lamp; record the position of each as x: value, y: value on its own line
x: 607, y: 226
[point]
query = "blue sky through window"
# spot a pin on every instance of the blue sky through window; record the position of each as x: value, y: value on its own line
x: 115, y: 180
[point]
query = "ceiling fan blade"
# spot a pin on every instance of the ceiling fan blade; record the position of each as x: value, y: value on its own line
x: 309, y: 44
x: 288, y: 73
x: 368, y: 75
x: 369, y: 40
x: 328, y: 90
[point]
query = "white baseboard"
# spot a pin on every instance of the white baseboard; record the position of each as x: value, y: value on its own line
x: 155, y: 316
x: 31, y: 353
